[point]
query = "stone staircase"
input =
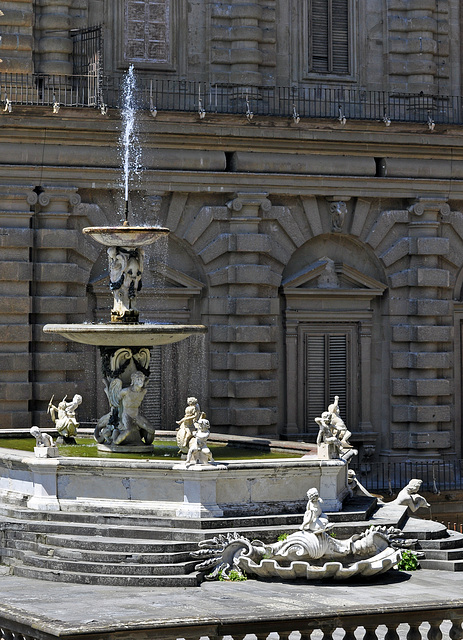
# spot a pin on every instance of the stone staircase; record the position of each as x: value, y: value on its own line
x: 147, y: 550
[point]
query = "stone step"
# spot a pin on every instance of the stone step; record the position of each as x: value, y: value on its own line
x: 140, y: 520
x: 125, y: 569
x: 98, y: 543
x: 354, y: 509
x: 39, y: 573
x: 452, y: 540
x: 442, y: 565
x: 152, y: 533
x: 444, y: 554
x: 92, y: 555
x: 424, y: 529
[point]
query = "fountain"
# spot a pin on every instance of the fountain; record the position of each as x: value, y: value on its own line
x: 125, y: 342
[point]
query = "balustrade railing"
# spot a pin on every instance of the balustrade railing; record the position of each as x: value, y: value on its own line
x: 334, y: 102
x: 434, y: 624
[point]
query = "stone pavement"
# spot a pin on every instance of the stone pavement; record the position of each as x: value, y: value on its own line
x: 73, y: 609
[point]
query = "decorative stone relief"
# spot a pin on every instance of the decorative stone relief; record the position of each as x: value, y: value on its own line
x: 338, y: 211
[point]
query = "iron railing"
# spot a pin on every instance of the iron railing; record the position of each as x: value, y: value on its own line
x: 337, y: 103
x: 390, y: 477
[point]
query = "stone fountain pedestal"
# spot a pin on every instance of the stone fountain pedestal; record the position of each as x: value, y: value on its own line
x: 125, y: 343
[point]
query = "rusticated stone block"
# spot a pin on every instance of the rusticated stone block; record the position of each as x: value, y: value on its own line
x: 409, y: 413
x: 426, y: 360
x: 15, y: 391
x: 421, y: 333
x: 432, y: 277
x: 430, y: 246
x: 60, y: 361
x: 254, y: 388
x: 243, y: 388
x: 243, y: 333
x: 57, y: 272
x: 243, y: 306
x: 244, y: 361
x: 429, y: 307
x: 252, y: 416
x: 433, y: 387
x: 16, y: 271
x: 45, y: 390
x: 12, y: 238
x: 15, y: 305
x: 62, y: 304
x: 13, y: 333
x: 11, y: 419
x: 421, y: 277
x: 58, y: 239
x: 245, y: 274
x: 398, y: 250
x: 15, y: 361
x: 303, y: 164
x: 216, y: 248
x: 421, y: 440
x: 385, y: 223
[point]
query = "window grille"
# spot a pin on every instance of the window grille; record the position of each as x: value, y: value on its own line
x: 147, y: 31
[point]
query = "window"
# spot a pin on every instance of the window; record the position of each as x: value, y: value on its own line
x: 327, y: 371
x: 147, y: 31
x: 328, y: 37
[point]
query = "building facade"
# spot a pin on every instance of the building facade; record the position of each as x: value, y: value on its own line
x: 306, y: 156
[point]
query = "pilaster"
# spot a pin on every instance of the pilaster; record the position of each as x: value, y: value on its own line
x: 16, y: 240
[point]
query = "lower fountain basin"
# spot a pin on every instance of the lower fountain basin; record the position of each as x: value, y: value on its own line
x: 167, y: 488
x: 130, y: 335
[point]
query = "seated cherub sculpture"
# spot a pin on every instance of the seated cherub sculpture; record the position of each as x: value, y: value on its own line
x: 198, y: 451
x: 41, y: 439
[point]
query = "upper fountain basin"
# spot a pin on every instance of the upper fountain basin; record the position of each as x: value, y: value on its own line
x: 127, y: 335
x: 125, y: 236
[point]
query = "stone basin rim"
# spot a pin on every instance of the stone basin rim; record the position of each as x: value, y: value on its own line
x: 117, y: 334
x: 125, y: 236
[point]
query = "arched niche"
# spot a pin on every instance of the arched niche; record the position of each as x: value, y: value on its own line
x: 332, y: 292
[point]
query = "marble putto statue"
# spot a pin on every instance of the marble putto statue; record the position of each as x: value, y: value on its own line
x: 311, y: 553
x: 125, y: 272
x: 333, y: 435
x: 64, y: 417
x: 192, y: 433
x: 44, y: 445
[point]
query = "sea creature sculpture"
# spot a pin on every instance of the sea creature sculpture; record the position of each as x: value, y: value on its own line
x: 124, y: 425
x: 410, y: 497
x: 64, y: 417
x: 310, y: 553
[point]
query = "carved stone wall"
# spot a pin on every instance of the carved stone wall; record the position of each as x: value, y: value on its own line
x: 16, y: 36
x: 419, y: 46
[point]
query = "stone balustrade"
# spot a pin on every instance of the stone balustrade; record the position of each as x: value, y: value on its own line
x: 390, y: 625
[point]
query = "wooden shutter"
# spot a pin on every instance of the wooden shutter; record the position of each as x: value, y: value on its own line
x: 326, y: 374
x: 328, y: 39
